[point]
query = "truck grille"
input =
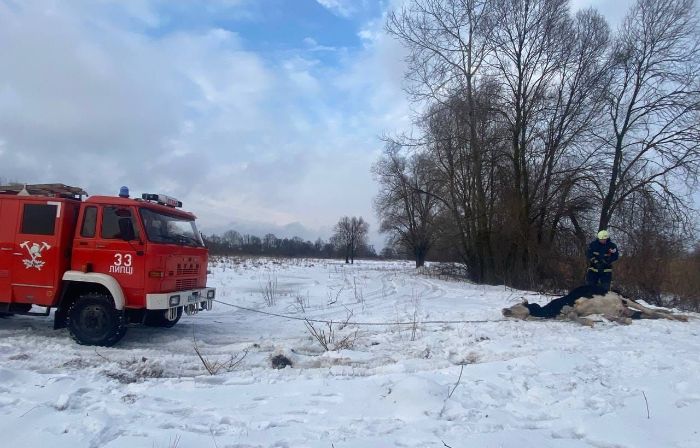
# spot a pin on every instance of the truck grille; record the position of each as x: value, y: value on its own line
x: 185, y: 283
x: 187, y: 271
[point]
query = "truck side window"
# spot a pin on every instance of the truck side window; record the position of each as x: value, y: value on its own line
x: 39, y: 219
x: 117, y: 223
x: 89, y: 222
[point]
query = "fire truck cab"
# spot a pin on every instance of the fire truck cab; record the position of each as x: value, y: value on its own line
x: 100, y: 262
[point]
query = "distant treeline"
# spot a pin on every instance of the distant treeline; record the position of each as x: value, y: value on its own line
x: 232, y: 242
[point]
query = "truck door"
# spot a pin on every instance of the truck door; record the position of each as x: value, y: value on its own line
x: 119, y: 251
x: 36, y: 254
x: 84, y: 242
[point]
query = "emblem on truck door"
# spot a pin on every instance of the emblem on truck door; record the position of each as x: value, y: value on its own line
x: 34, y: 250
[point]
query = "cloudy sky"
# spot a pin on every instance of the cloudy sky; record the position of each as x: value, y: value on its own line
x: 260, y: 115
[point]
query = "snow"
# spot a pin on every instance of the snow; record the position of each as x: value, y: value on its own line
x: 523, y: 383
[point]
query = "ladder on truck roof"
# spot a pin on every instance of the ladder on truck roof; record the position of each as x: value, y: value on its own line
x: 51, y: 190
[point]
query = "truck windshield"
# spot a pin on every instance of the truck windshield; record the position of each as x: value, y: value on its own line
x: 168, y: 229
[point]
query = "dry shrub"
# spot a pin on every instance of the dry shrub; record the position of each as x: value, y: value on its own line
x: 661, y: 277
x: 269, y: 290
x: 215, y: 366
x: 683, y: 282
x: 560, y: 274
x: 640, y: 278
x: 328, y: 335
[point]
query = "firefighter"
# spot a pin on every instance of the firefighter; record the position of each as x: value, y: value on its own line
x: 601, y: 254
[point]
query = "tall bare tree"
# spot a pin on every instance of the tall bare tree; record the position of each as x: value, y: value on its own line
x: 407, y: 204
x: 469, y: 197
x: 448, y: 42
x: 529, y: 48
x: 653, y: 146
x: 562, y: 149
x: 350, y: 234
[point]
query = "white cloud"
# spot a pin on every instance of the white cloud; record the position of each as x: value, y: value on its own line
x: 299, y: 71
x: 344, y: 8
x: 88, y: 101
x: 313, y: 46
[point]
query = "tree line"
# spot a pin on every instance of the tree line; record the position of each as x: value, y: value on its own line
x: 349, y: 241
x: 537, y: 127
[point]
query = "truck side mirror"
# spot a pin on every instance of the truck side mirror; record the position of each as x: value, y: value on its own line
x: 126, y: 229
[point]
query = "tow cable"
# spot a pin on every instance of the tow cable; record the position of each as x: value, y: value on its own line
x: 305, y: 319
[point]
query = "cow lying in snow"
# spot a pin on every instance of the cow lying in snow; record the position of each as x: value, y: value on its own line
x: 588, y: 300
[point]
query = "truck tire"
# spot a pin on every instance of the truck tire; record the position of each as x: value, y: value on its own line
x: 156, y: 318
x: 93, y: 320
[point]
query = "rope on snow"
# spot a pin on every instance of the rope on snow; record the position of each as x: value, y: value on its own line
x: 321, y: 321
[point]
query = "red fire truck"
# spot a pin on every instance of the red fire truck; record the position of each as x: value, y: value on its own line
x: 101, y: 262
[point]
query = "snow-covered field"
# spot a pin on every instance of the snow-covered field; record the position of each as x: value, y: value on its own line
x: 523, y: 384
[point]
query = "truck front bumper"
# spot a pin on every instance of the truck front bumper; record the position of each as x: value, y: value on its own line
x: 192, y: 300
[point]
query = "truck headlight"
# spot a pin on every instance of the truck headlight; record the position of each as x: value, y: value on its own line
x: 210, y: 293
x: 174, y: 300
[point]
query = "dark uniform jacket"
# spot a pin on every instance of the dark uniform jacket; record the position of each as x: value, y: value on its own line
x: 601, y: 256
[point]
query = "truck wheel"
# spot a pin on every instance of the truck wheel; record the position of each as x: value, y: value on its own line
x: 93, y: 320
x: 156, y: 318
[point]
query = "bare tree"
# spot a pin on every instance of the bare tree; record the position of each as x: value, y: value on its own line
x: 350, y: 234
x: 529, y: 48
x: 448, y: 42
x: 469, y: 197
x: 653, y: 146
x: 406, y: 204
x: 562, y: 149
